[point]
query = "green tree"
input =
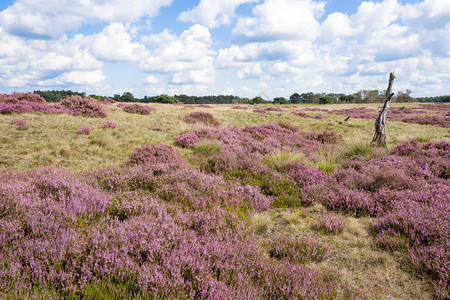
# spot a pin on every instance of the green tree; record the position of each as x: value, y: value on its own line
x: 257, y: 100
x: 295, y: 98
x: 165, y: 99
x: 127, y: 97
x: 326, y: 100
x: 280, y: 100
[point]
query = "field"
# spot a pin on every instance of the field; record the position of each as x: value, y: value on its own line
x: 223, y: 201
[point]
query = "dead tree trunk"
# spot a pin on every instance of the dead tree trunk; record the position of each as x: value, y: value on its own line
x: 379, y: 139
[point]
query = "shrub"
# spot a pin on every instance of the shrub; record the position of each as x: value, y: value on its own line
x: 21, y: 124
x: 155, y: 154
x: 85, y: 106
x: 330, y: 224
x: 296, y: 250
x: 201, y: 117
x: 109, y: 124
x: 108, y: 101
x: 84, y: 130
x: 137, y: 109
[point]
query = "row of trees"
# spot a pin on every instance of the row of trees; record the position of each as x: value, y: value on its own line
x: 362, y: 96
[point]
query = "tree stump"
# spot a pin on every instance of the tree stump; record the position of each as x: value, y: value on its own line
x: 379, y: 139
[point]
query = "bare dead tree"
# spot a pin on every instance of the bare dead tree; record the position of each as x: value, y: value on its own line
x: 379, y: 139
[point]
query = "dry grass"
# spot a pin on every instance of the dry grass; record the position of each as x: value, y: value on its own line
x: 354, y: 256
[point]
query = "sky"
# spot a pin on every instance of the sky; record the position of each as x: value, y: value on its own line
x: 228, y: 47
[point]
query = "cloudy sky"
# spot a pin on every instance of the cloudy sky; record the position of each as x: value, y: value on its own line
x: 211, y: 47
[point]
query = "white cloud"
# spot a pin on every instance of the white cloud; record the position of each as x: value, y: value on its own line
x: 336, y: 25
x: 280, y: 20
x: 26, y: 63
x: 186, y: 59
x: 212, y: 13
x: 83, y: 77
x: 114, y: 44
x: 48, y: 19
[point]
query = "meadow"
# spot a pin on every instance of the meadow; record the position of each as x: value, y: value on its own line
x: 172, y: 201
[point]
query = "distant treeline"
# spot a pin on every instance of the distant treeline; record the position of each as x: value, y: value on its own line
x: 362, y: 96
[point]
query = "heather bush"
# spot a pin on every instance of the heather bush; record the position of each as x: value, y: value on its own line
x: 201, y: 117
x: 239, y: 107
x: 18, y: 103
x: 137, y: 109
x: 330, y: 224
x: 155, y: 154
x: 26, y: 97
x: 305, y: 115
x: 297, y: 250
x: 85, y: 106
x: 84, y: 130
x: 108, y: 101
x: 264, y: 110
x: 21, y: 124
x: 109, y: 124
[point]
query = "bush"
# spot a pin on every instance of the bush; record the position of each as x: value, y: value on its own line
x: 85, y: 106
x: 201, y: 117
x: 109, y: 124
x: 20, y: 124
x: 137, y: 109
x: 155, y: 154
x: 84, y: 130
x: 330, y: 224
x: 295, y: 250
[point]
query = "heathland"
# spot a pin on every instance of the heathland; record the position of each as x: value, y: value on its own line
x: 113, y: 200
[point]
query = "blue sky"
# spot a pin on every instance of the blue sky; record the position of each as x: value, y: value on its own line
x: 211, y: 47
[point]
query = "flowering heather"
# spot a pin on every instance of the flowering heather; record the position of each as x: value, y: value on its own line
x: 264, y: 110
x: 155, y: 154
x: 330, y: 224
x: 433, y: 156
x: 85, y: 106
x: 108, y: 101
x: 260, y: 111
x: 296, y: 250
x: 305, y: 115
x: 21, y: 124
x: 428, y: 120
x: 239, y: 107
x: 18, y: 103
x: 27, y: 97
x: 84, y: 130
x: 201, y: 117
x: 109, y: 124
x: 326, y: 137
x: 137, y: 109
x: 440, y: 107
x: 358, y: 113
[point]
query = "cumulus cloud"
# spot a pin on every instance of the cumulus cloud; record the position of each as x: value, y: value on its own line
x: 26, y: 63
x: 48, y: 19
x: 185, y: 59
x: 280, y: 20
x: 212, y: 13
x: 114, y: 44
